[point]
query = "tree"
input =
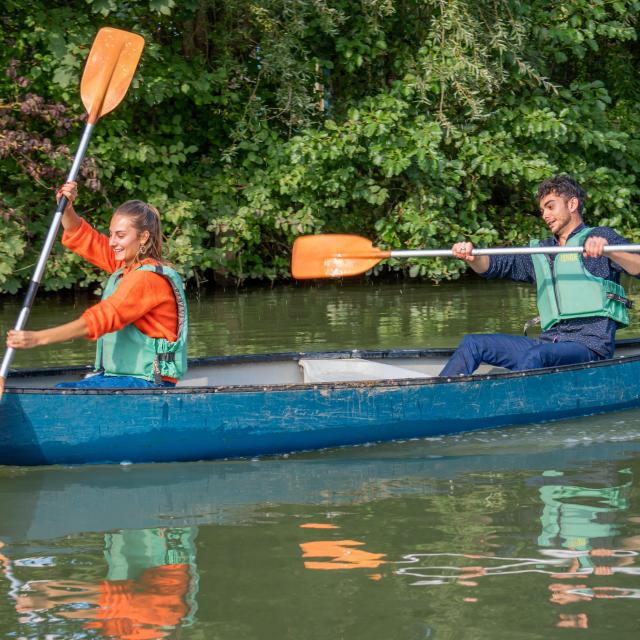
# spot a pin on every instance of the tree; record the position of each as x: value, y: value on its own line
x: 249, y: 122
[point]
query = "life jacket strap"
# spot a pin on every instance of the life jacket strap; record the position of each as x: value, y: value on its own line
x: 625, y: 301
x: 157, y: 376
x: 530, y: 323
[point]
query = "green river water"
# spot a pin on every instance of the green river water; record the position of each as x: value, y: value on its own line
x: 528, y: 532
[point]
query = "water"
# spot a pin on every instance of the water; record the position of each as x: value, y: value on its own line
x: 311, y: 318
x: 528, y: 532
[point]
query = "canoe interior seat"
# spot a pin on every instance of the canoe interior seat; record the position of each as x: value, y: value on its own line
x: 491, y: 369
x: 353, y: 370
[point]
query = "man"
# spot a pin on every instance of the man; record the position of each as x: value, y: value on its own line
x: 580, y: 300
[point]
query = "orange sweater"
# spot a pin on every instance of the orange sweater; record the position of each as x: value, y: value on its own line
x: 143, y: 298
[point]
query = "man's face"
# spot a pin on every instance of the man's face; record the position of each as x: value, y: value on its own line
x: 558, y: 213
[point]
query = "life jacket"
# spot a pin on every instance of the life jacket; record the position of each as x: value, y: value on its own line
x: 566, y: 290
x: 129, y: 352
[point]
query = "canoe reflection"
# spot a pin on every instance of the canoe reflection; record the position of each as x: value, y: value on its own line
x: 49, y: 503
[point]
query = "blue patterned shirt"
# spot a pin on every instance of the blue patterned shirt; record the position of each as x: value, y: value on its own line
x: 598, y: 334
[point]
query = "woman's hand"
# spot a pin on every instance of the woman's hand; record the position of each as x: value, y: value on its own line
x: 29, y: 339
x: 70, y: 191
x: 22, y: 339
x: 70, y: 219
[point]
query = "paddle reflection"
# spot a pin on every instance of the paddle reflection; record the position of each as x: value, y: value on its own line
x: 148, y: 593
x: 338, y: 554
x: 465, y: 568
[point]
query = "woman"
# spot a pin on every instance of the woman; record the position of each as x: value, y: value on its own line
x: 141, y: 323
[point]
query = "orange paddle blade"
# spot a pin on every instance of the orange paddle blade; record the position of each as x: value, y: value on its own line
x: 109, y: 69
x: 333, y: 256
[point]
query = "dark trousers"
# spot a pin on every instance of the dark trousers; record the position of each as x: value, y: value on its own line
x: 516, y: 353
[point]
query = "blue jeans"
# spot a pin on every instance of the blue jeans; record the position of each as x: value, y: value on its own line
x: 516, y: 353
x: 100, y: 381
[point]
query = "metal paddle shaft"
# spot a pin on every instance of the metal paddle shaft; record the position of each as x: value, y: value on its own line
x: 505, y: 251
x: 38, y: 272
x: 109, y: 69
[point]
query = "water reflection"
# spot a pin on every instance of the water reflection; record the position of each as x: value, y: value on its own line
x: 466, y: 568
x: 543, y: 519
x: 149, y: 590
x: 579, y: 517
x: 585, y: 522
x: 580, y: 543
x: 343, y: 554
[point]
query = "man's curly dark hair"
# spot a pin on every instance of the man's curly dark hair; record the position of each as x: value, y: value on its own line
x: 564, y: 186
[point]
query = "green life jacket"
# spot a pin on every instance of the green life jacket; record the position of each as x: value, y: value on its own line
x: 569, y: 291
x: 129, y: 352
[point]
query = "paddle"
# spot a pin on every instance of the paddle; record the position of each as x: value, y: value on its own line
x: 107, y: 75
x: 338, y: 255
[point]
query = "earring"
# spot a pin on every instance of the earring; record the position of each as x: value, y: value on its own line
x: 142, y: 250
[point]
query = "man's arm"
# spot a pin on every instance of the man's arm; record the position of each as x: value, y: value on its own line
x: 518, y: 267
x: 594, y: 248
x: 630, y: 262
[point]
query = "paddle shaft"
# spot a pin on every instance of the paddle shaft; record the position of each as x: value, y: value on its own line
x: 493, y: 251
x: 38, y: 272
x: 106, y: 78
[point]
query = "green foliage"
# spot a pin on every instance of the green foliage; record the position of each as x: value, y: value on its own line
x: 11, y: 248
x: 250, y: 122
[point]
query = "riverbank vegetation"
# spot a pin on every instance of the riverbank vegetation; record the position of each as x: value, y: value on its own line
x: 413, y: 122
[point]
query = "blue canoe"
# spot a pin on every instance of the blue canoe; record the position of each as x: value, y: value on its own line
x: 278, y: 403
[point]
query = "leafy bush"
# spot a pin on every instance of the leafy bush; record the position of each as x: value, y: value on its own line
x: 250, y: 122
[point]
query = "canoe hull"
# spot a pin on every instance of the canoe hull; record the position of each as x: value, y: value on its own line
x: 54, y: 427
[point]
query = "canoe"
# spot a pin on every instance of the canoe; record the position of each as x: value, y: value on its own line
x: 254, y: 405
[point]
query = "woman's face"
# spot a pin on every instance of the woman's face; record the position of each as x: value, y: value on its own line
x: 124, y: 239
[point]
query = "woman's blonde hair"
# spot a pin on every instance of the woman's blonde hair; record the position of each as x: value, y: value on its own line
x: 144, y: 217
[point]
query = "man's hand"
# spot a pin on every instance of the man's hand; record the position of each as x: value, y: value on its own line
x: 463, y: 251
x: 594, y: 247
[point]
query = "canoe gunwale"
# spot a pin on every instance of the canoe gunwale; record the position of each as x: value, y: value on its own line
x: 294, y: 356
